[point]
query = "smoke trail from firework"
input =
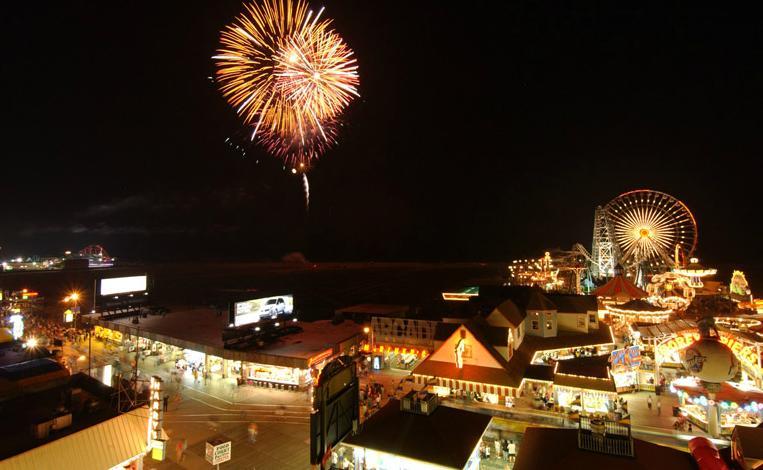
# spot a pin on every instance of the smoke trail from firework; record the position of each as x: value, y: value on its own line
x: 306, y: 185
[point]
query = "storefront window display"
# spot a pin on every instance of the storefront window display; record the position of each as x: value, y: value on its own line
x: 106, y: 334
x: 276, y: 374
x: 625, y: 380
x: 547, y: 357
x: 393, y: 357
x: 586, y: 401
x: 215, y: 364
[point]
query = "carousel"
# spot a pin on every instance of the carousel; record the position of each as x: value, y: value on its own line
x: 638, y: 311
x: 695, y: 272
x: 670, y: 290
x: 710, y: 397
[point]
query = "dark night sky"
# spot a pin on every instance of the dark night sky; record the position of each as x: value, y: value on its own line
x: 481, y: 133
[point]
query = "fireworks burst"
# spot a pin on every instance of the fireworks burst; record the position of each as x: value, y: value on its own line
x: 288, y: 75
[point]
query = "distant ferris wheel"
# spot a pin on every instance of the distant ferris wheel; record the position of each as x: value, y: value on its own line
x: 651, y: 227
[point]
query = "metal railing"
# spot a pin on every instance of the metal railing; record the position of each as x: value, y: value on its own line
x: 604, y: 436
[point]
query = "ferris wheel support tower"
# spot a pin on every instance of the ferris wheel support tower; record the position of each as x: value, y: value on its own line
x: 604, y: 251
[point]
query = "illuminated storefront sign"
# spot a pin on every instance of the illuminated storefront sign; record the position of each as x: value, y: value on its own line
x: 317, y: 359
x: 422, y: 353
x: 627, y: 358
x: 746, y: 353
x: 155, y: 418
x: 462, y: 295
x: 403, y: 331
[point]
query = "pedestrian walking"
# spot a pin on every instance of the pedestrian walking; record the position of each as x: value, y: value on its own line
x: 252, y: 429
x: 180, y: 449
x: 166, y: 400
x: 649, y: 402
x: 659, y: 406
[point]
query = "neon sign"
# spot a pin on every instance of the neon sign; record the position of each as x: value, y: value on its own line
x: 744, y: 352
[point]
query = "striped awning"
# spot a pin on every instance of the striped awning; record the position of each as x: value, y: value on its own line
x: 98, y: 447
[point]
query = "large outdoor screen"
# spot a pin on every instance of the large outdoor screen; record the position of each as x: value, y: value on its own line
x: 252, y: 311
x: 123, y: 285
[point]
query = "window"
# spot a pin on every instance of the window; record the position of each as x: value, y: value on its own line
x: 592, y: 318
x: 549, y: 325
x: 535, y: 324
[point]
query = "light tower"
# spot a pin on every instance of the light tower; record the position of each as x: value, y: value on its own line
x: 603, y: 251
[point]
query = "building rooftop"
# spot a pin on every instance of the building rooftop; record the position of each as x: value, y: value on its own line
x: 447, y: 437
x: 518, y: 367
x: 376, y: 310
x: 510, y: 312
x: 201, y: 329
x: 103, y: 445
x: 593, y: 366
x: 87, y: 400
x: 571, y: 303
x: 751, y: 440
x: 536, y: 453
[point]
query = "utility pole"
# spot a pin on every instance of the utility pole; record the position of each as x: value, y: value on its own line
x: 90, y: 353
x: 137, y: 358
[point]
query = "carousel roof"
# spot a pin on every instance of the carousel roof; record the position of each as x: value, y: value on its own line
x: 620, y: 287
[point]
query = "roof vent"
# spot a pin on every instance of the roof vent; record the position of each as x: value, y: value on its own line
x: 420, y: 403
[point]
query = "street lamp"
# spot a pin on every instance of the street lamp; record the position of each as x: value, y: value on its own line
x: 73, y: 297
x: 370, y: 333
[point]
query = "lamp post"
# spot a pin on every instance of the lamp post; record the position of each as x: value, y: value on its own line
x: 369, y: 331
x: 73, y: 297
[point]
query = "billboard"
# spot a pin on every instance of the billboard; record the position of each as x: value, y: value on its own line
x: 627, y: 358
x: 123, y: 285
x: 252, y: 311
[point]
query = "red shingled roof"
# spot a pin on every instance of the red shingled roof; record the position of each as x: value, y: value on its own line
x: 619, y: 287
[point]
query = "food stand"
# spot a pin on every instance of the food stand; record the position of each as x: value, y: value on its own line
x: 740, y: 404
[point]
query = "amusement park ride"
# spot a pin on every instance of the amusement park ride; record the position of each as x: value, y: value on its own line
x: 644, y: 231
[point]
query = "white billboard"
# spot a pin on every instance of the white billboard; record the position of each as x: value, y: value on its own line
x: 252, y: 311
x: 123, y: 285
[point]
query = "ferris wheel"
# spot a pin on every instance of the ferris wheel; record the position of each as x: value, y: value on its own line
x: 651, y: 227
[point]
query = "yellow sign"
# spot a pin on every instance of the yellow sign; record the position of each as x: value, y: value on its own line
x: 744, y: 352
x: 68, y: 316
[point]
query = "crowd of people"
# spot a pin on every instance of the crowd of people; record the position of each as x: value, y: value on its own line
x: 502, y: 449
x: 371, y: 395
x: 48, y: 331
